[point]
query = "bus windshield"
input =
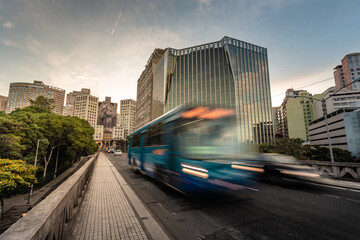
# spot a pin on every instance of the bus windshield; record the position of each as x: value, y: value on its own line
x: 207, y: 139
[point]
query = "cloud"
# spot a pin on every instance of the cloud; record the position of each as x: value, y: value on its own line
x: 8, y: 25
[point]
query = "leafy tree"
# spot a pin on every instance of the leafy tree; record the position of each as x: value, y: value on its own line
x: 43, y: 102
x: 15, y: 175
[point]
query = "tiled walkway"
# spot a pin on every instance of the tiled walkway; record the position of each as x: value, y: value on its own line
x: 105, y: 212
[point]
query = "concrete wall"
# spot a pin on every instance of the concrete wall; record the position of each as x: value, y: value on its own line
x: 47, y: 219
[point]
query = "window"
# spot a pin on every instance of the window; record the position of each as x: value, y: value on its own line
x: 136, y: 140
x: 154, y: 135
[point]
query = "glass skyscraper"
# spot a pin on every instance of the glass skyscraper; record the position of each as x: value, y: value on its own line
x: 228, y: 73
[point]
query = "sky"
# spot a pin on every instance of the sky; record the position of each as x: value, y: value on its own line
x: 105, y: 45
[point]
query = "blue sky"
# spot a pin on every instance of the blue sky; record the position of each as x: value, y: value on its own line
x: 104, y: 45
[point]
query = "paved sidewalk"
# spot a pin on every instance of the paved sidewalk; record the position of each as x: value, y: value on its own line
x: 111, y: 210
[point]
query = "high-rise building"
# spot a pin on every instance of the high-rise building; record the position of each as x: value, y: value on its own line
x: 347, y: 72
x: 3, y: 102
x: 86, y: 107
x: 20, y: 94
x: 127, y: 116
x: 145, y: 90
x: 297, y: 113
x: 70, y: 101
x: 107, y: 114
x: 277, y: 121
x: 228, y: 73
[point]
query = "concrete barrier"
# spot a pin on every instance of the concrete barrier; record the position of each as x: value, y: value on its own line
x: 47, y: 219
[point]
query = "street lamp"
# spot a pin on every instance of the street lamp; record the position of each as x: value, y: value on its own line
x: 323, y: 102
x: 36, y: 155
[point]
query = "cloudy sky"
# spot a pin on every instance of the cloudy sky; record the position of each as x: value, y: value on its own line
x: 104, y: 45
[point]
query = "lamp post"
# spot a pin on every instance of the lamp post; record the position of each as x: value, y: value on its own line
x: 36, y: 155
x: 323, y: 103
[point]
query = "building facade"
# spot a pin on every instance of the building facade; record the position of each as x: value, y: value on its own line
x: 145, y: 90
x: 99, y: 133
x: 228, y: 73
x: 70, y: 101
x: 127, y: 115
x: 344, y: 129
x: 107, y: 114
x: 297, y: 113
x: 20, y: 94
x: 3, y: 102
x: 343, y: 99
x: 86, y: 107
x: 118, y: 133
x: 348, y: 71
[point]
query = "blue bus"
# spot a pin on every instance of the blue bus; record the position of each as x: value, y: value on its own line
x: 190, y: 149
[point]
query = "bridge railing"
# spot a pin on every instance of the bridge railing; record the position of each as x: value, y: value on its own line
x: 336, y: 169
x: 47, y: 219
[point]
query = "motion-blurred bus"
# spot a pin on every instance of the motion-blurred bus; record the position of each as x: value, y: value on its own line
x: 190, y: 149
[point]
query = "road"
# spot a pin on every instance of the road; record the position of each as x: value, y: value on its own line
x: 282, y: 211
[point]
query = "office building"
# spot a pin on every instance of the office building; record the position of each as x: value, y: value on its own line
x: 344, y: 128
x: 107, y: 114
x: 127, y: 116
x: 20, y: 94
x: 118, y: 133
x: 228, y: 73
x: 86, y: 107
x: 3, y: 102
x: 145, y: 90
x: 70, y: 101
x: 348, y: 71
x: 297, y: 113
x: 277, y: 121
x: 99, y: 133
x: 343, y: 99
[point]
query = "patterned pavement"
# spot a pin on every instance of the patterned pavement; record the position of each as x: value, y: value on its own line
x: 105, y: 212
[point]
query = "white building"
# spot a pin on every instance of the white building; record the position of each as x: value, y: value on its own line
x: 70, y: 101
x: 99, y: 132
x: 86, y: 107
x: 127, y: 115
x: 342, y: 100
x: 20, y: 94
x: 344, y: 130
x: 118, y: 133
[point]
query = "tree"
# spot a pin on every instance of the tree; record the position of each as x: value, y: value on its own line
x: 15, y: 176
x: 43, y: 102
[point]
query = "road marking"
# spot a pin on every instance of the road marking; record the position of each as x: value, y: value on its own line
x: 353, y: 200
x: 335, y: 187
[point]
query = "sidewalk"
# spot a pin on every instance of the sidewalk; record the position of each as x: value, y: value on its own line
x: 111, y: 210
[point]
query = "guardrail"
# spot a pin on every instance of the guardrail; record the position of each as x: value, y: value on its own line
x: 47, y: 219
x: 336, y: 169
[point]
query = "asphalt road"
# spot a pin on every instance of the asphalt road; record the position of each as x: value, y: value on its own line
x: 282, y: 211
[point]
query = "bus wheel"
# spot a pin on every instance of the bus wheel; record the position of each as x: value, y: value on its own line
x: 133, y: 166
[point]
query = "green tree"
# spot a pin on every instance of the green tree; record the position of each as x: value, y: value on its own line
x: 15, y: 176
x: 43, y: 102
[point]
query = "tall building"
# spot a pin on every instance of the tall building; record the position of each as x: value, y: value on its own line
x: 145, y: 90
x: 277, y: 121
x: 107, y: 114
x: 228, y: 73
x: 347, y: 72
x: 127, y: 116
x: 344, y: 99
x: 297, y: 113
x: 86, y: 107
x: 3, y: 102
x: 70, y: 101
x: 20, y: 94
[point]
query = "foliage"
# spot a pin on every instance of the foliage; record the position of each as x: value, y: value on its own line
x: 21, y: 130
x: 15, y: 175
x: 43, y: 102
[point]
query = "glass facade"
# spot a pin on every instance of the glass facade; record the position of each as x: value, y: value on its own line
x: 225, y: 74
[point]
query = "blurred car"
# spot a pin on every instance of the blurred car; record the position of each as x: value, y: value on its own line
x: 278, y: 166
x: 117, y: 153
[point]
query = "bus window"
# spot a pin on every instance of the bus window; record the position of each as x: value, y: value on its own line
x: 154, y: 135
x: 136, y: 140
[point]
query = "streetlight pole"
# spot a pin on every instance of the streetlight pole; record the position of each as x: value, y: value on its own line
x: 36, y: 155
x: 323, y: 103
